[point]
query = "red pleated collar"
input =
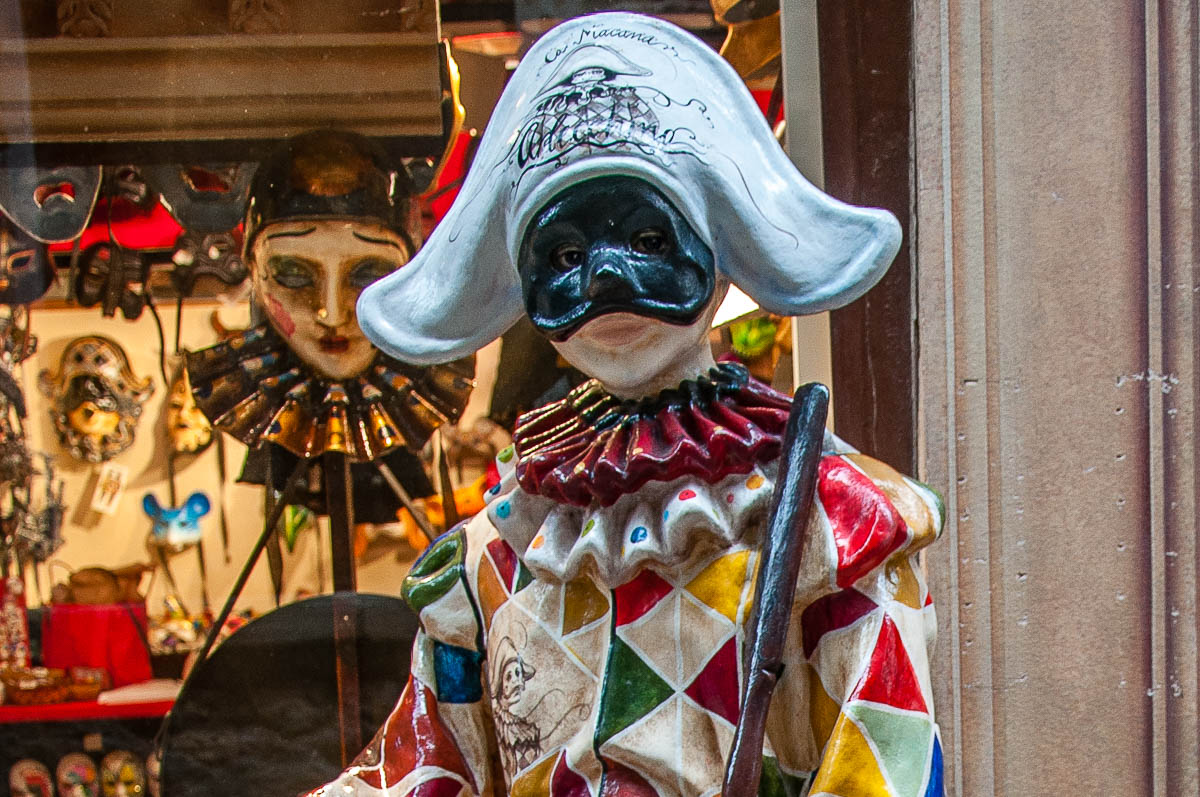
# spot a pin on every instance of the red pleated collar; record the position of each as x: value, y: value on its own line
x: 592, y: 448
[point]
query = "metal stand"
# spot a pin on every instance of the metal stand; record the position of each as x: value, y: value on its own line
x: 289, y: 492
x: 339, y: 502
x: 406, y: 500
x: 273, y: 547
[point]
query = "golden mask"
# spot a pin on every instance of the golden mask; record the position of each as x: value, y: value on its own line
x: 187, y: 428
x: 96, y: 397
x: 121, y: 775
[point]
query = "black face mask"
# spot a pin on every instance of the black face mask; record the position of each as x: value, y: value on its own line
x: 106, y: 276
x: 128, y: 183
x: 50, y: 204
x: 26, y: 268
x: 203, y: 198
x: 612, y: 245
x: 214, y: 254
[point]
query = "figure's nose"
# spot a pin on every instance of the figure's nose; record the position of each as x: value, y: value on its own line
x: 609, y: 278
x: 332, y: 312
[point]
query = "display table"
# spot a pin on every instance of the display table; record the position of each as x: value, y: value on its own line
x: 80, y: 710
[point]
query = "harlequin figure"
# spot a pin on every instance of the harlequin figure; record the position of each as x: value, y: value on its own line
x: 585, y: 633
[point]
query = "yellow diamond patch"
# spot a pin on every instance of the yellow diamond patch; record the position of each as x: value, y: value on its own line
x: 583, y: 603
x: 719, y: 585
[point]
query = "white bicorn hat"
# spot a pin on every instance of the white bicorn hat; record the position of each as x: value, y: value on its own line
x: 618, y: 94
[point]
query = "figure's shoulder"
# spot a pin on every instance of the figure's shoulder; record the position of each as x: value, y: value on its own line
x: 921, y: 507
x: 874, y: 512
x: 437, y: 586
x: 436, y: 570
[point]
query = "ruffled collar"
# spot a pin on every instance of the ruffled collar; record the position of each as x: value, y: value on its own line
x: 665, y: 526
x: 256, y: 389
x: 592, y: 448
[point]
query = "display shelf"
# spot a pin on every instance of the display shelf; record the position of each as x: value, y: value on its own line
x: 215, y: 97
x: 80, y: 710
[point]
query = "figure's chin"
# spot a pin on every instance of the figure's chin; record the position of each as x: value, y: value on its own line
x: 631, y: 354
x: 613, y: 330
x: 617, y: 322
x: 627, y: 351
x: 356, y: 358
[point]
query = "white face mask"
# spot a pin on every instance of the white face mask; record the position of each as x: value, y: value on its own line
x: 307, y: 278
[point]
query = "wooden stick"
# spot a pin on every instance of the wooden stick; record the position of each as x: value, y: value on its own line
x: 766, y: 634
x: 418, y: 515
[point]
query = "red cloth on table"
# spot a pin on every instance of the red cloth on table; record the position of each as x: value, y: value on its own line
x: 75, y: 635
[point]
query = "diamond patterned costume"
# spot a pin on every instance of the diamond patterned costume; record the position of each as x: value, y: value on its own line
x: 595, y: 647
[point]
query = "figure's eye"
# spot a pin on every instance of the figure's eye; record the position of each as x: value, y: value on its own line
x: 290, y: 272
x: 21, y: 260
x: 367, y: 271
x: 650, y: 241
x: 567, y: 256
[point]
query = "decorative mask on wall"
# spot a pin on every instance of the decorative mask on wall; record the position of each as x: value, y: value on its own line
x: 128, y: 183
x: 39, y: 531
x: 29, y: 778
x: 208, y: 197
x: 258, y: 16
x: 16, y: 463
x: 213, y: 254
x: 26, y: 267
x: 84, y: 19
x: 113, y: 278
x: 77, y: 776
x: 187, y: 427
x: 52, y: 204
x: 122, y: 775
x: 16, y: 343
x: 176, y: 528
x: 326, y: 218
x: 97, y: 399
